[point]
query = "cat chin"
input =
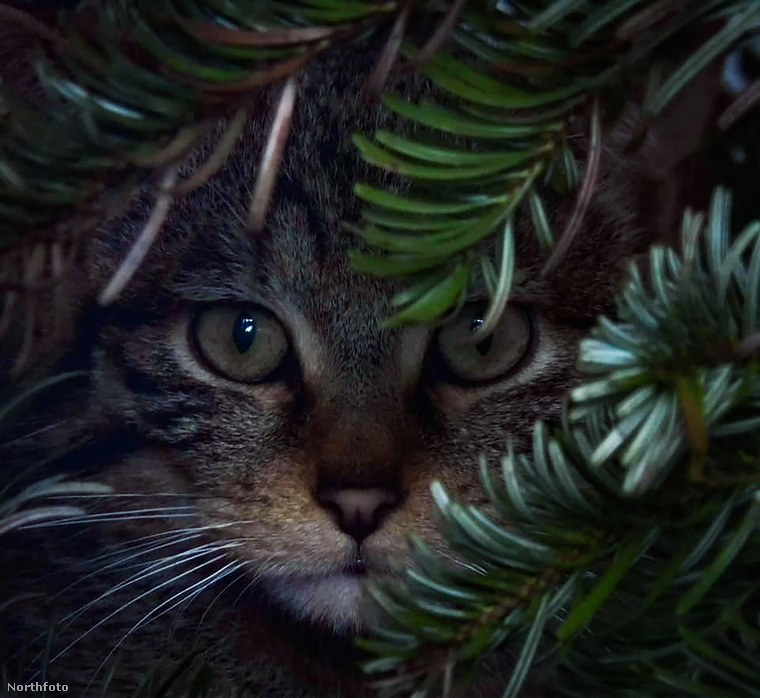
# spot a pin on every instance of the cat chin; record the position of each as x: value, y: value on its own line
x: 331, y: 602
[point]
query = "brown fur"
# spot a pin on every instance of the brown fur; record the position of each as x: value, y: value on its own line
x: 358, y: 404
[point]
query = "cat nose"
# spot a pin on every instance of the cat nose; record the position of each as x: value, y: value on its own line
x: 358, y: 510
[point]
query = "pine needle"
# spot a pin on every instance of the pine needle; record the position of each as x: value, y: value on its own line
x: 740, y: 106
x: 584, y: 195
x: 216, y: 160
x: 379, y: 76
x: 144, y: 242
x: 441, y: 35
x: 270, y: 160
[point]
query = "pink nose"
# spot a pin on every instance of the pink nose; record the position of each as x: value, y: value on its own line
x: 359, y: 511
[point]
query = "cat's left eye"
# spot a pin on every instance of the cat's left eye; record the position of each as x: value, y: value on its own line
x: 243, y: 343
x: 492, y: 357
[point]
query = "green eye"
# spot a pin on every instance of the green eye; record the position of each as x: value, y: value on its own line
x: 493, y: 356
x: 242, y: 343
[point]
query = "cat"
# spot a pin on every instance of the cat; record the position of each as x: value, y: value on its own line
x: 268, y: 443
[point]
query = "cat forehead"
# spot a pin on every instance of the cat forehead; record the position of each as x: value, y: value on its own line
x: 300, y: 256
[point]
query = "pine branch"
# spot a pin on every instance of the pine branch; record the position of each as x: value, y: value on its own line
x: 625, y: 551
x: 517, y: 72
x: 130, y: 90
x: 133, y: 87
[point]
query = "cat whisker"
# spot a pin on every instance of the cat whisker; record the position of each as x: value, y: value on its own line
x: 184, y: 597
x: 175, y: 531
x: 136, y: 514
x: 170, y: 537
x: 241, y: 569
x: 114, y: 495
x: 153, y: 568
x: 245, y: 589
x: 115, y: 516
x: 145, y: 545
x: 142, y: 541
x: 141, y: 551
x: 144, y: 511
x: 32, y: 434
x: 138, y: 598
x: 67, y: 620
x: 256, y: 575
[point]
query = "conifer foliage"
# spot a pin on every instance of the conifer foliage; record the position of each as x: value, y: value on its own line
x: 624, y: 557
x: 625, y: 553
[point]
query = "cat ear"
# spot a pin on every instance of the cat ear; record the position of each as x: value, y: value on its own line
x: 681, y: 129
x: 670, y: 148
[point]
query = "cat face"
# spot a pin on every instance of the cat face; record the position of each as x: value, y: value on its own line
x: 295, y: 422
x: 269, y: 443
x: 259, y: 387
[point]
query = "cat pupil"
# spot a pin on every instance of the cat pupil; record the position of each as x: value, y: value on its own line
x: 244, y: 332
x: 485, y: 346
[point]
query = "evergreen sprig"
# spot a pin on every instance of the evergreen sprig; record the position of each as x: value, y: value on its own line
x: 517, y: 71
x: 131, y: 87
x: 672, y: 370
x: 624, y: 579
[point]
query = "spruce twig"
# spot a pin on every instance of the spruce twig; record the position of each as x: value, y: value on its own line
x: 635, y: 524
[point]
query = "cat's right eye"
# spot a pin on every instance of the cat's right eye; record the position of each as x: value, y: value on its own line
x: 493, y: 357
x: 243, y: 343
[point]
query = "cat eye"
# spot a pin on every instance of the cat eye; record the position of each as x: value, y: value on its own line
x: 493, y: 356
x: 242, y: 343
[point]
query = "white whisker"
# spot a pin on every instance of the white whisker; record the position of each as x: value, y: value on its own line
x: 32, y: 434
x: 176, y: 531
x: 255, y: 578
x: 151, y: 510
x: 153, y: 568
x: 133, y: 601
x: 241, y: 567
x: 144, y: 546
x: 96, y: 518
x: 203, y: 584
x: 141, y: 551
x: 113, y: 495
